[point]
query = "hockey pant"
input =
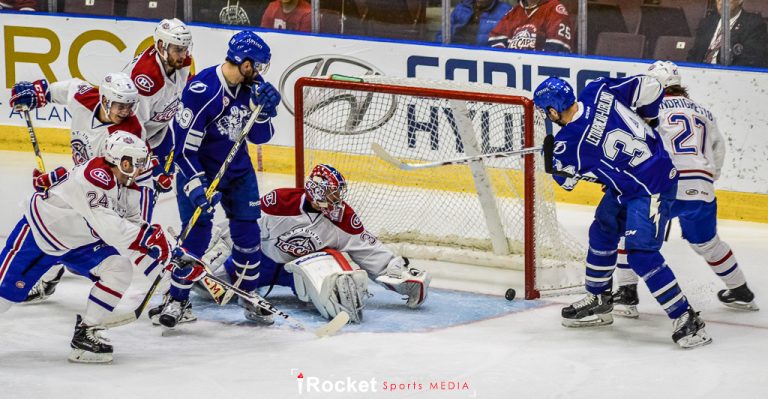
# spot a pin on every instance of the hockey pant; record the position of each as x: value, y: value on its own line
x: 642, y: 222
x: 22, y: 263
x: 698, y: 222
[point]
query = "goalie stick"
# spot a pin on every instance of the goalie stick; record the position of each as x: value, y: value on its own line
x: 383, y: 154
x: 215, y: 289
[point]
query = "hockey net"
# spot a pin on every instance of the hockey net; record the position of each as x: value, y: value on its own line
x: 495, y: 212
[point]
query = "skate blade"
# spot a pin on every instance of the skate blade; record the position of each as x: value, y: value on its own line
x: 692, y: 341
x: 628, y: 311
x: 184, y: 320
x: 589, y: 321
x: 749, y: 306
x: 82, y: 356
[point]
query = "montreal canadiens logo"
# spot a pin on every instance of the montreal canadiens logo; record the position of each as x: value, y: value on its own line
x: 270, y: 199
x: 356, y: 223
x: 144, y: 82
x: 297, y: 246
x: 101, y: 175
x: 560, y: 9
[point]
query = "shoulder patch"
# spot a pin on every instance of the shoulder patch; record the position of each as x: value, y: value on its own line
x: 143, y: 82
x: 147, y: 74
x: 350, y: 222
x: 130, y: 125
x: 560, y: 9
x: 87, y: 96
x: 97, y: 172
x: 197, y: 87
x: 283, y: 202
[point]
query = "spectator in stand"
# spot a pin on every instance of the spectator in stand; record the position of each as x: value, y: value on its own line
x: 472, y: 20
x: 749, y: 38
x: 288, y: 14
x: 542, y: 25
x: 19, y: 5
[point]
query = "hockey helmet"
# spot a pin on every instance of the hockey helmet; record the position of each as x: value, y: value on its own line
x: 666, y: 73
x: 327, y: 188
x: 554, y: 93
x: 246, y: 45
x: 122, y: 145
x: 173, y: 31
x: 118, y: 87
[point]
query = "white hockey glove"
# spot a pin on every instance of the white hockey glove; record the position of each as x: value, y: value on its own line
x: 406, y: 280
x: 320, y: 279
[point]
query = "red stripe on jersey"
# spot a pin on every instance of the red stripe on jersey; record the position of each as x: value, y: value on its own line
x: 340, y: 259
x: 36, y: 215
x: 695, y: 171
x: 99, y: 173
x: 12, y: 253
x: 87, y: 96
x: 108, y: 290
x: 147, y: 73
x: 283, y: 202
x: 130, y: 124
x: 721, y: 261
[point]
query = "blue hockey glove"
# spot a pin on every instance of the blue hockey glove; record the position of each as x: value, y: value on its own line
x: 195, y: 190
x: 265, y: 94
x: 30, y: 94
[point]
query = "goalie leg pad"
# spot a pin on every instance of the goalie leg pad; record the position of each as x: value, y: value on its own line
x: 330, y: 283
x: 400, y: 277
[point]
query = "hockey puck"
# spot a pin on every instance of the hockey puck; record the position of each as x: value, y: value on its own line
x: 510, y: 294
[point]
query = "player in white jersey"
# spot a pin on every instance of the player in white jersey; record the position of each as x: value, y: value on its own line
x: 160, y: 73
x: 304, y: 231
x: 96, y: 113
x: 90, y: 221
x: 697, y: 148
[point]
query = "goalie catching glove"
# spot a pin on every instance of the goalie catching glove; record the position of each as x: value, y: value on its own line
x: 328, y: 281
x: 406, y: 280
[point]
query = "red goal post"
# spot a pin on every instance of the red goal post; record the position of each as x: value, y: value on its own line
x: 338, y: 119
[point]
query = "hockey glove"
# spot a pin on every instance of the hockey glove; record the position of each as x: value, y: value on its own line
x: 196, y: 189
x: 163, y: 180
x: 265, y: 94
x: 30, y: 94
x: 152, y: 242
x: 185, y: 266
x: 43, y: 181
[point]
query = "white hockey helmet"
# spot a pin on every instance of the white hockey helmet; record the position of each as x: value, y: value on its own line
x: 666, y: 73
x: 173, y: 31
x: 118, y: 87
x: 121, y: 145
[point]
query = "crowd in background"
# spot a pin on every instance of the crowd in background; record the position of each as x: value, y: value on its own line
x: 677, y: 30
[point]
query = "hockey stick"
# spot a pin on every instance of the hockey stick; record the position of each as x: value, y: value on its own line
x: 33, y: 139
x: 327, y: 329
x: 213, y: 288
x: 383, y: 154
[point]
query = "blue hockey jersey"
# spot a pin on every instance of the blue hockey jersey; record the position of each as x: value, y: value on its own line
x: 609, y: 139
x: 208, y: 122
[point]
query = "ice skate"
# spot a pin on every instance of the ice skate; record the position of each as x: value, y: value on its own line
x: 625, y: 301
x: 43, y: 289
x: 256, y: 314
x: 89, y: 345
x: 591, y: 311
x: 740, y: 297
x: 174, y: 312
x: 186, y: 317
x: 689, y: 330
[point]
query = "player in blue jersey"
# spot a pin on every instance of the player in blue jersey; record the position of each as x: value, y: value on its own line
x: 216, y: 104
x: 606, y: 137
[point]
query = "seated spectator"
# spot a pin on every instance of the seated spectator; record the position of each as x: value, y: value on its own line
x: 542, y: 25
x: 749, y: 38
x: 472, y: 20
x: 19, y: 5
x: 288, y: 14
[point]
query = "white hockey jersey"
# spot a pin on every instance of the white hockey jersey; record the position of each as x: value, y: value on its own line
x: 695, y: 144
x: 84, y: 207
x: 288, y: 232
x: 88, y: 132
x: 159, y: 93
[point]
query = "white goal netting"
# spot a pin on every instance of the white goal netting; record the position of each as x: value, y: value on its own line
x: 472, y: 213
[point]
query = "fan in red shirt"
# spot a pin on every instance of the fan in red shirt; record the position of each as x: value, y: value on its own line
x: 288, y: 14
x: 542, y: 25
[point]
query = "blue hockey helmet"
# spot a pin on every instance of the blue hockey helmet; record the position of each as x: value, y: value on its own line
x: 555, y: 93
x: 246, y: 45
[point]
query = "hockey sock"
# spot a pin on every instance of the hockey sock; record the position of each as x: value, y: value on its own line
x: 624, y: 273
x: 601, y: 260
x: 722, y: 261
x: 661, y: 281
x: 246, y: 253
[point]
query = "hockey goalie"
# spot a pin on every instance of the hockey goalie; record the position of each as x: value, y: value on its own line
x: 303, y: 235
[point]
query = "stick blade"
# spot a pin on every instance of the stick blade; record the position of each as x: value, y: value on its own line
x: 387, y: 157
x: 333, y: 326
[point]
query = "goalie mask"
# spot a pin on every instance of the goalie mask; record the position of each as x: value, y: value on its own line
x: 326, y: 189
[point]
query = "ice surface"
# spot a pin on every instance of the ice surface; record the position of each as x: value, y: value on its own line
x: 459, y: 345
